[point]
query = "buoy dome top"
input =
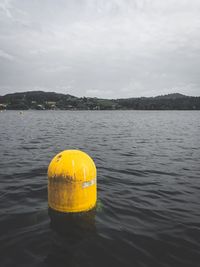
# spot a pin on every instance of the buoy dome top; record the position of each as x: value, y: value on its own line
x: 72, y: 165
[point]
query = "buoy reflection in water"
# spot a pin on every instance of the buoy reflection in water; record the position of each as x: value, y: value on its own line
x: 70, y: 231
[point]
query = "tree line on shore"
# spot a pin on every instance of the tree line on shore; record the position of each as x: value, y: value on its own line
x: 39, y: 100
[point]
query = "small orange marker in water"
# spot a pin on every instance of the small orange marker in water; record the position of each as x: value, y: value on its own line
x: 72, y: 182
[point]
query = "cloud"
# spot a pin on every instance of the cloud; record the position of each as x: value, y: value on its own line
x: 5, y: 6
x: 119, y: 47
x: 5, y: 55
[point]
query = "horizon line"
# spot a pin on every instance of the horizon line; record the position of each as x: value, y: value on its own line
x: 28, y: 91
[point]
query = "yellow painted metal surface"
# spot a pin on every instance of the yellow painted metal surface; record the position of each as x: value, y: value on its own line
x: 72, y: 182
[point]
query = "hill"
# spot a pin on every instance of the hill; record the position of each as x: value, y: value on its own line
x: 49, y: 100
x: 171, y: 96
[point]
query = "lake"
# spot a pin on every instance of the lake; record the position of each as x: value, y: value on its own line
x: 148, y: 210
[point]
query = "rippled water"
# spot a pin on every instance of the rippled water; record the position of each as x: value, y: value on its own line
x: 148, y: 210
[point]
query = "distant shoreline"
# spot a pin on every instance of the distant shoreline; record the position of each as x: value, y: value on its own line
x: 39, y: 100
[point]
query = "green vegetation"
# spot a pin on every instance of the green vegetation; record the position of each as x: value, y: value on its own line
x: 47, y: 101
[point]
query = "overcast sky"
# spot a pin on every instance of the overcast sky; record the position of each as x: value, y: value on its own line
x: 102, y: 48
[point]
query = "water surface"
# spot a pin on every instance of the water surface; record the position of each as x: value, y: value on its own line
x: 148, y: 189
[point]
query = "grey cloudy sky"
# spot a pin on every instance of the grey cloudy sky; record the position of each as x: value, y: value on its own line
x: 103, y: 48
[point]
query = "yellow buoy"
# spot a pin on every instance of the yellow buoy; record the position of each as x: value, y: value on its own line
x: 72, y: 182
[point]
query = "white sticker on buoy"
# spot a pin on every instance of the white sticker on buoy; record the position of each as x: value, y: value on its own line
x: 89, y: 183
